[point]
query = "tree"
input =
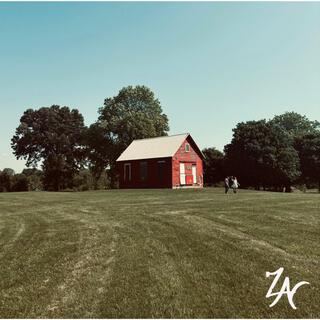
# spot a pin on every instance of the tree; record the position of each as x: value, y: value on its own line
x: 308, y: 147
x: 134, y: 113
x: 83, y: 180
x: 262, y: 155
x: 6, y: 179
x: 53, y: 135
x: 304, y: 133
x: 20, y: 183
x: 8, y: 171
x: 213, y: 165
x: 34, y: 177
x: 99, y: 149
x: 295, y: 124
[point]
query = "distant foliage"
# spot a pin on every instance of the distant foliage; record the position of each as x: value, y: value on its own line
x: 308, y: 147
x: 99, y: 151
x: 35, y: 177
x: 273, y: 154
x: 20, y: 183
x: 84, y: 181
x: 134, y: 113
x: 57, y: 138
x: 295, y: 124
x: 53, y: 135
x: 12, y: 182
x: 261, y: 154
x: 6, y: 179
x: 214, y: 166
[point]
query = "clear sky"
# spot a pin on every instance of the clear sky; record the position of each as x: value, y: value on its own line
x: 211, y: 65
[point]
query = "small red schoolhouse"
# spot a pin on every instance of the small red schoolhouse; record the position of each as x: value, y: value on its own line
x: 162, y: 162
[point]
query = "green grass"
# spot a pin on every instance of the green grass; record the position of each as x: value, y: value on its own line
x: 156, y: 253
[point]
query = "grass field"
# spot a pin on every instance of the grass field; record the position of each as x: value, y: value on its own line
x: 157, y: 253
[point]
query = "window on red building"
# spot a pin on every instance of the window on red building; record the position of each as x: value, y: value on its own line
x: 127, y: 172
x: 161, y: 172
x: 143, y: 170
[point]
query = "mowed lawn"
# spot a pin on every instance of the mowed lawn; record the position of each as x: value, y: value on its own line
x: 157, y: 253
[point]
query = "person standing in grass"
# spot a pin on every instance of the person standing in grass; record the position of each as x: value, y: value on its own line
x: 230, y: 179
x: 226, y: 185
x: 235, y: 184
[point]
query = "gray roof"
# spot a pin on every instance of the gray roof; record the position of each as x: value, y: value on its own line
x: 160, y: 147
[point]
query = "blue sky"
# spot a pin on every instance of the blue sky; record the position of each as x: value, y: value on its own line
x: 211, y: 65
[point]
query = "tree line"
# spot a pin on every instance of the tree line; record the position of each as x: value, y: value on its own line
x: 73, y: 156
x: 270, y: 154
x: 263, y: 154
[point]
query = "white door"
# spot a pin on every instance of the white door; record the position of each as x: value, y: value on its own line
x: 194, y: 173
x: 182, y: 174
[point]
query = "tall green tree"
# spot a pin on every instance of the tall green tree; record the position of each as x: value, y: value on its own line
x: 134, y: 113
x: 54, y: 136
x: 214, y: 170
x: 6, y: 179
x: 9, y: 172
x: 20, y: 183
x: 296, y: 124
x: 261, y: 155
x: 304, y: 133
x: 308, y: 147
x: 99, y: 150
x: 35, y: 177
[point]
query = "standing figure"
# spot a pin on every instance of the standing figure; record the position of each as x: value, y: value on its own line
x: 226, y: 185
x: 235, y: 185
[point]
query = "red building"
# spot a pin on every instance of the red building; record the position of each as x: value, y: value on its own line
x: 163, y: 162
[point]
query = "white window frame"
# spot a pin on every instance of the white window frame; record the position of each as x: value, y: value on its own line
x: 185, y: 147
x: 194, y: 176
x: 182, y: 173
x: 124, y: 167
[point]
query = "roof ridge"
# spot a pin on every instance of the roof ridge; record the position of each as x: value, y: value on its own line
x: 173, y: 135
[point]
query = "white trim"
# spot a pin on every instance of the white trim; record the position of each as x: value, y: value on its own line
x: 182, y: 173
x: 194, y: 173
